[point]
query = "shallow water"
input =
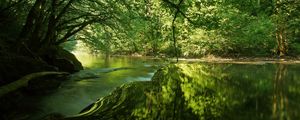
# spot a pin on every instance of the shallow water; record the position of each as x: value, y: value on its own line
x: 100, y: 77
x: 78, y: 92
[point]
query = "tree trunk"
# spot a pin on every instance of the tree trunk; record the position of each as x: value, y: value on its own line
x: 281, y: 42
x: 27, y: 30
x: 281, y: 37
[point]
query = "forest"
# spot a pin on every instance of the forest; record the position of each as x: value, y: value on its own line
x: 38, y: 39
x: 183, y: 28
x: 197, y: 28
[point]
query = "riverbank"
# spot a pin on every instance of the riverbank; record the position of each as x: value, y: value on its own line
x: 235, y: 60
x: 243, y: 60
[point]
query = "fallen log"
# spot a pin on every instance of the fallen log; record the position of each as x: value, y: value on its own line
x: 23, y: 82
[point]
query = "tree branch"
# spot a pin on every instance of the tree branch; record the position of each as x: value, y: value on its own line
x: 63, y: 11
x: 11, y: 5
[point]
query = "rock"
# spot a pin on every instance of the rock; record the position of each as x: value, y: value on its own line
x: 15, y: 66
x: 61, y: 58
x: 64, y: 54
x: 64, y: 65
x: 94, y: 73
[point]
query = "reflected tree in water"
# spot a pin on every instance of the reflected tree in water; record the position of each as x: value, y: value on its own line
x: 206, y: 91
x: 284, y: 89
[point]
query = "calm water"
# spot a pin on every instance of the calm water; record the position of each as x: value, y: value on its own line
x: 228, y: 91
x: 216, y: 91
x: 208, y: 91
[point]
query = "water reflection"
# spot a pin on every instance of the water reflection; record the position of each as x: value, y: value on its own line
x: 207, y: 91
x: 282, y: 99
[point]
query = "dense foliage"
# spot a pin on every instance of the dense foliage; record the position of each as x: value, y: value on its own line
x: 216, y: 27
x: 188, y: 28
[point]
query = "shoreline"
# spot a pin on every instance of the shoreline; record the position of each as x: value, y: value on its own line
x: 243, y: 60
x: 217, y: 59
x: 235, y: 60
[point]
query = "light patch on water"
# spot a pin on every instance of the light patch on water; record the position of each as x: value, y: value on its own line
x: 144, y: 78
x: 151, y: 74
x: 131, y: 79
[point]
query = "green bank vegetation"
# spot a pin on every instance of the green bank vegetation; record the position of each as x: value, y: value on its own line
x: 33, y: 32
x: 184, y: 28
x: 197, y: 28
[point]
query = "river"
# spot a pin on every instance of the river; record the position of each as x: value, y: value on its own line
x: 262, y: 90
x: 270, y: 90
x: 100, y: 77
